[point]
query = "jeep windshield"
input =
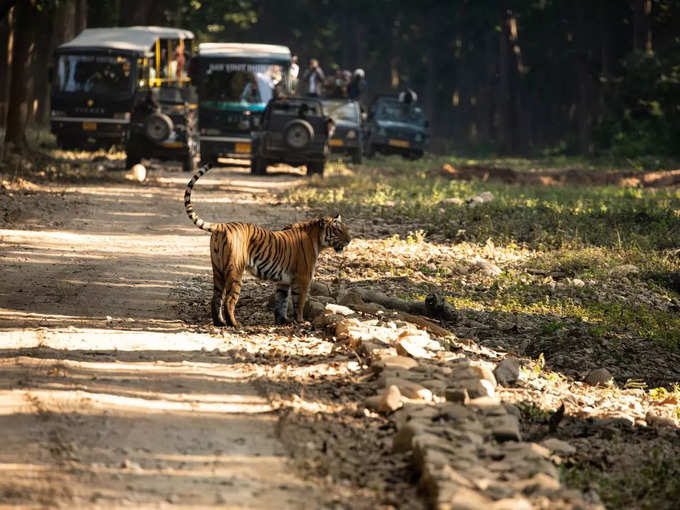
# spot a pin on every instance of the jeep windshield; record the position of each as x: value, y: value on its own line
x: 342, y: 111
x: 232, y: 84
x: 96, y: 75
x: 395, y: 111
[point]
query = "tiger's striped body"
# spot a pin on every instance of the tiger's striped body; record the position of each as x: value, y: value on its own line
x: 287, y: 257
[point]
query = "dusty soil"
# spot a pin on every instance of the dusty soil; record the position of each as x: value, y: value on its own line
x: 115, y: 390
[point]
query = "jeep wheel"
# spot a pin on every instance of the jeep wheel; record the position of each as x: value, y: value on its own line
x: 258, y: 166
x: 298, y: 134
x: 316, y: 167
x: 357, y: 156
x: 157, y: 127
x: 65, y: 143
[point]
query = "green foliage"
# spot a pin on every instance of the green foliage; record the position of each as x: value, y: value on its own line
x: 653, y: 482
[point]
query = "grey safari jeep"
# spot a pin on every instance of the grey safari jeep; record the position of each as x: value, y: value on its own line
x: 294, y: 130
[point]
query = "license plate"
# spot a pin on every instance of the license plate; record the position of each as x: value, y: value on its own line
x: 173, y: 145
x: 399, y: 143
x: 243, y: 147
x: 336, y: 142
x: 89, y: 126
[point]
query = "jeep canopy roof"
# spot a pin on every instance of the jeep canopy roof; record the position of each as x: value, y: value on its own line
x: 128, y: 39
x: 270, y: 52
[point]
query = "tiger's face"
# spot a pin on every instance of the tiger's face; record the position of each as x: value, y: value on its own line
x: 335, y: 234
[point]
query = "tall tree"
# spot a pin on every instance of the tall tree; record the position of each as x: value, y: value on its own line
x: 22, y: 78
x: 6, y: 43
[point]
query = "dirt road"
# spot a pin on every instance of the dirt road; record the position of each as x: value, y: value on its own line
x: 114, y: 390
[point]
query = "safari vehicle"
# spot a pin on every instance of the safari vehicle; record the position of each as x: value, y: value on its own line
x: 396, y: 128
x: 235, y: 81
x: 294, y: 130
x: 126, y: 85
x: 348, y: 135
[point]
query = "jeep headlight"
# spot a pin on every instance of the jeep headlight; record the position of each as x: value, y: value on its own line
x: 351, y: 134
x: 122, y: 116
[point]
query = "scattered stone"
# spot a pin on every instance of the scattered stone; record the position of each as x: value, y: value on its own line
x: 654, y: 420
x: 505, y: 428
x: 482, y: 198
x: 349, y: 298
x: 485, y: 402
x: 131, y: 465
x: 475, y: 387
x: 558, y: 446
x: 327, y: 320
x: 507, y: 372
x: 373, y: 403
x: 457, y: 395
x: 517, y: 503
x: 456, y: 412
x: 599, y: 377
x: 339, y: 309
x: 313, y: 309
x: 406, y: 347
x: 390, y: 400
x: 410, y: 389
x: 398, y: 362
x: 318, y: 288
x: 138, y: 172
x: 578, y: 283
x: 486, y: 267
x: 403, y: 439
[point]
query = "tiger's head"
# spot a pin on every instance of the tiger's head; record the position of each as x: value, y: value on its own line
x: 335, y: 234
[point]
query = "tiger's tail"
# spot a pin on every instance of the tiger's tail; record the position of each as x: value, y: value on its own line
x: 200, y: 223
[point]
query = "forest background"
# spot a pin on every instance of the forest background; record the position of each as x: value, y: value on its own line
x: 506, y: 77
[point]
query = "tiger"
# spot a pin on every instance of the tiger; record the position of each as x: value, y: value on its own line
x: 287, y: 257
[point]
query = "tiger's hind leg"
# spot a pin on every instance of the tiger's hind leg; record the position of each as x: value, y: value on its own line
x: 217, y: 306
x: 299, y: 289
x: 233, y: 291
x: 218, y: 298
x: 281, y: 303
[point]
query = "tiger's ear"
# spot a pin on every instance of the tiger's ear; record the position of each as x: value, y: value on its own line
x: 337, y: 217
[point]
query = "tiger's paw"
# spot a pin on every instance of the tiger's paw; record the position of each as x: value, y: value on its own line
x: 280, y: 320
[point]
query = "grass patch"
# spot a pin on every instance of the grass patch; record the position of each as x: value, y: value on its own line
x: 533, y: 216
x: 653, y: 482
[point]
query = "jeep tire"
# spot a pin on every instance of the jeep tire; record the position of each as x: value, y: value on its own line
x: 298, y: 134
x: 157, y: 127
x: 258, y: 166
x: 316, y: 167
x: 357, y: 155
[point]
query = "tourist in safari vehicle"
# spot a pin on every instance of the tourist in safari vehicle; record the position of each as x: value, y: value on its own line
x: 129, y: 86
x: 235, y: 82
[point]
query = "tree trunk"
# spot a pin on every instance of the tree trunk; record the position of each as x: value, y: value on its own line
x: 80, y: 16
x: 136, y: 12
x: 504, y: 109
x: 6, y: 38
x: 39, y: 111
x: 642, y: 28
x: 430, y: 94
x: 22, y: 79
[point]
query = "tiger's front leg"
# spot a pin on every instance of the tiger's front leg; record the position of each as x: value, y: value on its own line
x: 299, y: 289
x: 281, y: 303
